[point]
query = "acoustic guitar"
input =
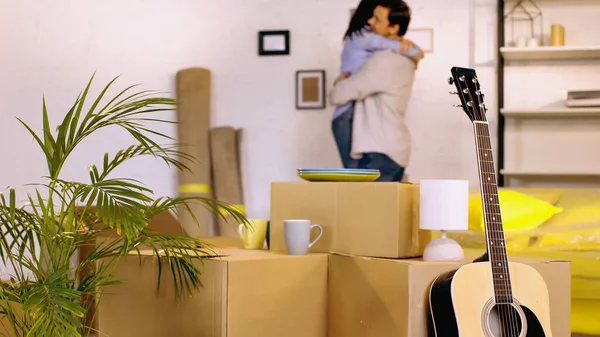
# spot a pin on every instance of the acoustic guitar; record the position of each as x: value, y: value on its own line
x: 490, y: 297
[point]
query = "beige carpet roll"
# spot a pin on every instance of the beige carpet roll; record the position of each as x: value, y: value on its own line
x: 193, y: 112
x: 227, y: 183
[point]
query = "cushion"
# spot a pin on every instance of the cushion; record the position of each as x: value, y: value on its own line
x: 575, y: 217
x: 577, y: 197
x: 519, y: 211
x: 577, y: 228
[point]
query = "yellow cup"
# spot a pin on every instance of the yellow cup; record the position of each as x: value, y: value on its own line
x: 254, y: 236
x: 557, y: 35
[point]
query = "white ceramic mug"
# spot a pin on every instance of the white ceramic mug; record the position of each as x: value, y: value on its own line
x: 521, y: 42
x: 297, y: 236
x: 533, y: 42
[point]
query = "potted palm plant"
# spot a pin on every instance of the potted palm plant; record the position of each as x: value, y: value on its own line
x: 46, y: 293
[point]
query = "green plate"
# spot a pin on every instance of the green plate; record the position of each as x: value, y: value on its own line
x: 339, y: 175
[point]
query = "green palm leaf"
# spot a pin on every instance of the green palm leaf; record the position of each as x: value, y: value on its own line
x: 53, y: 305
x: 39, y: 239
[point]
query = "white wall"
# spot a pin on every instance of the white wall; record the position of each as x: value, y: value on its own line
x: 52, y: 47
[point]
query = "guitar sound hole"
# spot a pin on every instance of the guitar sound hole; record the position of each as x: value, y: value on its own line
x: 505, y: 320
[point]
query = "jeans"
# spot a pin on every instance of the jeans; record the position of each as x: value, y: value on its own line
x: 342, y: 131
x: 389, y: 170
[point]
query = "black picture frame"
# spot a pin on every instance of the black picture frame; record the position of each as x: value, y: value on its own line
x: 321, y: 103
x: 262, y: 51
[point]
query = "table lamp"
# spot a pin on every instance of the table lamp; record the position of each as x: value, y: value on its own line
x: 444, y: 206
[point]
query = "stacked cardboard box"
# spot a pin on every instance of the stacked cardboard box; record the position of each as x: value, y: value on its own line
x: 389, y: 297
x: 245, y: 294
x: 378, y: 285
x: 363, y: 219
x: 267, y: 294
x: 365, y: 277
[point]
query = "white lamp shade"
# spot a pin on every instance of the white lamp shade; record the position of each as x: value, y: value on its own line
x: 444, y: 205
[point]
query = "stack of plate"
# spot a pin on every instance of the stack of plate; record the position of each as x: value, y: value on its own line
x: 342, y: 175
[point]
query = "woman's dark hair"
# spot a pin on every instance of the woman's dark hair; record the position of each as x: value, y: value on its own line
x: 399, y: 15
x: 361, y: 17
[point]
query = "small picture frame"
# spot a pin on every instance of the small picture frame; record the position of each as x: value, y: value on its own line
x: 422, y: 37
x: 274, y: 42
x: 310, y: 89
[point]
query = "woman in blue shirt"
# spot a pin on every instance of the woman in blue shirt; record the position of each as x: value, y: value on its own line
x: 359, y: 45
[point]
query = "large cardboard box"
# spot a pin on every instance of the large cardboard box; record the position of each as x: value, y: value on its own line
x: 246, y: 294
x: 377, y: 219
x: 163, y: 223
x: 373, y: 297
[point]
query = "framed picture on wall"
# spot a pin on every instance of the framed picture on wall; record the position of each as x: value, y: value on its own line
x: 422, y: 37
x: 310, y: 89
x: 274, y: 42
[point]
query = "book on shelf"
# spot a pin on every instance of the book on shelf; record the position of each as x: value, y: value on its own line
x: 583, y: 98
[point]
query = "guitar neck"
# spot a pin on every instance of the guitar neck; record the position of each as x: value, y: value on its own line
x: 494, y: 231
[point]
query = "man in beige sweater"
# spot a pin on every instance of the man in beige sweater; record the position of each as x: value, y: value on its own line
x: 381, y: 88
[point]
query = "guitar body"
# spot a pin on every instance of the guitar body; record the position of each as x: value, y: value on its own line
x: 461, y: 303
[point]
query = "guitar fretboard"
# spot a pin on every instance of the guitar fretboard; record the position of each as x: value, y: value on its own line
x: 496, y: 245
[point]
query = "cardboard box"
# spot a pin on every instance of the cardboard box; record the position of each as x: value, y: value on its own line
x: 377, y: 219
x: 163, y: 223
x: 373, y: 297
x: 246, y: 293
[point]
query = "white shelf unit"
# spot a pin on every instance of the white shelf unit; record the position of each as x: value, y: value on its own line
x: 549, y: 53
x: 553, y: 145
x: 512, y: 2
x: 552, y: 113
x: 517, y: 173
x: 557, y: 179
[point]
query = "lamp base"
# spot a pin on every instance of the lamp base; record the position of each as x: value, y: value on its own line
x: 443, y: 249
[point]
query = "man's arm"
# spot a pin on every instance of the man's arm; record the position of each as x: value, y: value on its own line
x: 375, y: 42
x: 373, y: 77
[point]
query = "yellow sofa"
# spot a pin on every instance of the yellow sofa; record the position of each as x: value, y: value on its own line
x: 572, y: 234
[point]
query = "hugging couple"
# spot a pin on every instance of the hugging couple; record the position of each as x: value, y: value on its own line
x: 372, y: 93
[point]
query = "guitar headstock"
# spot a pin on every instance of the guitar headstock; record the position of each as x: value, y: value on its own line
x: 468, y: 90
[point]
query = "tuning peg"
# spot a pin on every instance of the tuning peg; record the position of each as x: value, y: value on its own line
x: 450, y: 80
x: 453, y: 93
x: 457, y: 105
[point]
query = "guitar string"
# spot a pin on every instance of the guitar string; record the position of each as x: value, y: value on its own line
x: 514, y: 316
x: 488, y: 189
x: 498, y: 233
x: 500, y: 288
x: 491, y: 202
x: 488, y: 234
x: 508, y: 324
x: 491, y: 236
